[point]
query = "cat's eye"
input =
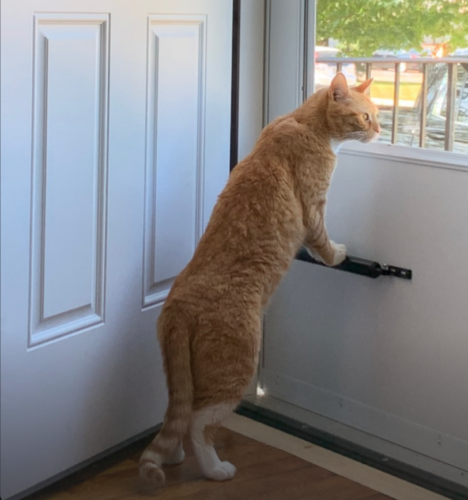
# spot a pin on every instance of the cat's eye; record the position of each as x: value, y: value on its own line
x: 366, y: 117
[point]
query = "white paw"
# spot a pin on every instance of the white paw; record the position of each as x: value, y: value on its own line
x: 223, y: 472
x: 340, y: 253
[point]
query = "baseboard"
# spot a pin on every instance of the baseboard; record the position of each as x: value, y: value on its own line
x: 354, y: 451
x: 425, y: 441
x: 96, y: 461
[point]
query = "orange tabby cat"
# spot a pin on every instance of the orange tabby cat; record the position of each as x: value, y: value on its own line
x: 210, y: 326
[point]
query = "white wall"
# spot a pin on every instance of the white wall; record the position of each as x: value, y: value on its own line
x: 385, y: 356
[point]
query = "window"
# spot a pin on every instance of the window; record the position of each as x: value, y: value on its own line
x: 417, y: 53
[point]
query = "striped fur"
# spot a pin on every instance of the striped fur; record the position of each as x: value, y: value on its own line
x: 174, y: 340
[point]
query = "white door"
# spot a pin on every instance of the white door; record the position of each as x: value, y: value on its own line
x: 387, y: 356
x: 115, y: 145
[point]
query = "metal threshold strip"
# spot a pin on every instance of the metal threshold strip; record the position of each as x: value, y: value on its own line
x: 353, y: 450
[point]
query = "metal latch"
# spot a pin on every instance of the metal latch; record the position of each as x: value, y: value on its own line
x: 363, y: 267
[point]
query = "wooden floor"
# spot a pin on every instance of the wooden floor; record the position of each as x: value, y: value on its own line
x: 263, y: 473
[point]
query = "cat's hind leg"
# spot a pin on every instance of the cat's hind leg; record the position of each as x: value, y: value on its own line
x: 204, y: 423
x: 176, y: 456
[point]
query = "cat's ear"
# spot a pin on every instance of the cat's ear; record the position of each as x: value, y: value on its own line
x: 338, y: 90
x: 364, y: 86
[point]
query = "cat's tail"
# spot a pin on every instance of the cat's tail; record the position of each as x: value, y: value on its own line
x: 166, y: 448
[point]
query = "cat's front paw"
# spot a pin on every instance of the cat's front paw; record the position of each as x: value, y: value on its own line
x: 339, y: 253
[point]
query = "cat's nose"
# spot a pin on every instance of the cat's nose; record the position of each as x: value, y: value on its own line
x: 377, y: 128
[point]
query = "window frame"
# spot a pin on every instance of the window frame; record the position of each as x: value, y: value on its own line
x: 294, y: 31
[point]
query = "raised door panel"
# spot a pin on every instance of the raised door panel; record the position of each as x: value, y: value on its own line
x: 175, y: 146
x: 69, y: 174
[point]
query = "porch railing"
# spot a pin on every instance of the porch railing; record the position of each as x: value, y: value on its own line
x: 375, y: 62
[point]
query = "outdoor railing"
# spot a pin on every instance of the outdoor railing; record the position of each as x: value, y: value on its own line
x: 424, y: 63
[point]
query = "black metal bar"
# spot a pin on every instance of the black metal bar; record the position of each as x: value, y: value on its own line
x: 396, y: 101
x: 363, y: 267
x: 234, y: 153
x: 450, y: 114
x: 339, y: 67
x: 422, y: 125
x: 368, y: 70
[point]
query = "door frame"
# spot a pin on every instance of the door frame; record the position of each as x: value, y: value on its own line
x: 235, y: 85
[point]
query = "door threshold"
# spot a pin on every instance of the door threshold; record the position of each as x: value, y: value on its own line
x: 313, y: 428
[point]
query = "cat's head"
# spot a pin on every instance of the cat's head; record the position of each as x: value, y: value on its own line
x: 350, y: 112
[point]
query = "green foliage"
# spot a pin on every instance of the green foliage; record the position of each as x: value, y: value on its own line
x: 363, y: 26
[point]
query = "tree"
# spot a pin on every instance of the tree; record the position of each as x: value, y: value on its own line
x: 363, y: 26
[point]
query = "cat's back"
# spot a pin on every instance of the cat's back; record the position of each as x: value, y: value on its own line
x: 254, y: 231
